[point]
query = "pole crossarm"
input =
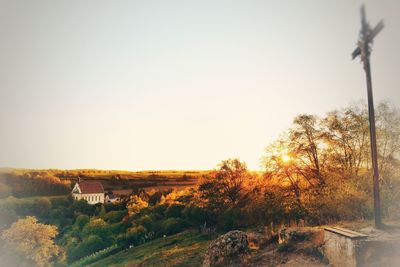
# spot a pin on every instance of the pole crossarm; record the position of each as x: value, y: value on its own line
x: 366, y: 37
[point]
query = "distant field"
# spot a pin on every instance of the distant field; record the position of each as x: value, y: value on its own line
x: 120, y: 182
x: 123, y: 182
x: 109, y: 174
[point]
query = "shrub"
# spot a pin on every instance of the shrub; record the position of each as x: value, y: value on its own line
x: 134, y: 236
x: 160, y: 209
x: 172, y: 226
x: 7, y: 214
x: 115, y: 216
x: 149, y: 223
x: 41, y: 207
x: 174, y: 210
x: 82, y: 220
x: 195, y: 215
x: 89, y: 245
x: 97, y: 256
x: 229, y: 220
x: 83, y: 207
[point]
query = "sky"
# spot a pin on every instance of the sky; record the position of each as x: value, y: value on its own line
x: 150, y: 85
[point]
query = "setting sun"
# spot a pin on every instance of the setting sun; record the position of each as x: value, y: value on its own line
x: 285, y: 158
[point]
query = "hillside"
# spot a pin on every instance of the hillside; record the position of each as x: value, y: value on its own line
x: 183, y: 249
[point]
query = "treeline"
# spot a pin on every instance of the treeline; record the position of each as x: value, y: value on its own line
x: 32, y: 183
x: 318, y: 172
x: 324, y: 164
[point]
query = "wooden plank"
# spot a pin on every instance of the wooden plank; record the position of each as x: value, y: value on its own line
x: 346, y: 232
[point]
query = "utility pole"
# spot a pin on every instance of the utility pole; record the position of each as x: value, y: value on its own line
x: 363, y: 50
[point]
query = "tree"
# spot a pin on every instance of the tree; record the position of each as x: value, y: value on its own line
x: 225, y: 187
x: 135, y: 204
x: 305, y: 144
x: 34, y: 240
x: 346, y: 135
x: 324, y: 163
x: 82, y: 220
x: 282, y: 168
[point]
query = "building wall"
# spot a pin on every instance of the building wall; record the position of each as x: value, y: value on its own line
x: 90, y: 198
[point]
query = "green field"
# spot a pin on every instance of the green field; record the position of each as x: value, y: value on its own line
x: 183, y: 249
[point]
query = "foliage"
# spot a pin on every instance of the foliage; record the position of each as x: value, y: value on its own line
x: 134, y: 236
x: 33, y: 183
x: 34, y: 240
x: 115, y: 216
x: 226, y: 187
x: 97, y: 256
x: 89, y: 245
x: 82, y: 220
x: 174, y: 210
x: 327, y: 174
x: 172, y: 226
x: 135, y: 204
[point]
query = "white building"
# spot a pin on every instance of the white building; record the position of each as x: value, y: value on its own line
x: 92, y: 192
x: 111, y: 198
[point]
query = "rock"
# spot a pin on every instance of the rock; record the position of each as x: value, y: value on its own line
x: 294, y: 234
x: 257, y: 240
x: 225, y: 249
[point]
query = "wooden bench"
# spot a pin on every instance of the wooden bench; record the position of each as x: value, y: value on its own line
x: 346, y: 233
x: 341, y: 246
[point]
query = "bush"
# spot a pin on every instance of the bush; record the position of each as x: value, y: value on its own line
x: 174, y: 210
x: 229, y: 220
x: 195, y: 215
x: 89, y: 245
x: 155, y: 198
x: 62, y: 201
x: 172, y: 226
x: 114, y: 206
x: 150, y: 223
x: 115, y: 216
x: 160, y: 209
x: 41, y: 207
x: 134, y: 236
x: 97, y: 256
x: 97, y: 227
x: 82, y: 220
x: 7, y: 214
x: 81, y: 206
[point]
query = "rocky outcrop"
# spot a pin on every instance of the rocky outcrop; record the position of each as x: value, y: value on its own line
x: 226, y: 249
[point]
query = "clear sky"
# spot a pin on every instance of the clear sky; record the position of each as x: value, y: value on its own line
x: 177, y: 84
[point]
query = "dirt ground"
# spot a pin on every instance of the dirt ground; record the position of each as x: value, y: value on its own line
x: 271, y: 257
x: 303, y: 249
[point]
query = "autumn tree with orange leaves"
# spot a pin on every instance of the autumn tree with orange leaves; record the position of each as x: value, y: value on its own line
x: 33, y: 240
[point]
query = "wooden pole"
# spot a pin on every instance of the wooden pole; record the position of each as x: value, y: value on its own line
x: 366, y: 38
x: 374, y: 151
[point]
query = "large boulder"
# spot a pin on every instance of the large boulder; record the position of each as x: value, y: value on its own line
x: 226, y: 249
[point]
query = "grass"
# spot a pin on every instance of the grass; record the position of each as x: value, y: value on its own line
x: 183, y: 249
x: 96, y: 256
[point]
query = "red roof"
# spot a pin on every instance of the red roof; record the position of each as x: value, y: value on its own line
x: 91, y: 187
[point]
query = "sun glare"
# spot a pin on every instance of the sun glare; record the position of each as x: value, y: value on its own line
x: 285, y: 158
